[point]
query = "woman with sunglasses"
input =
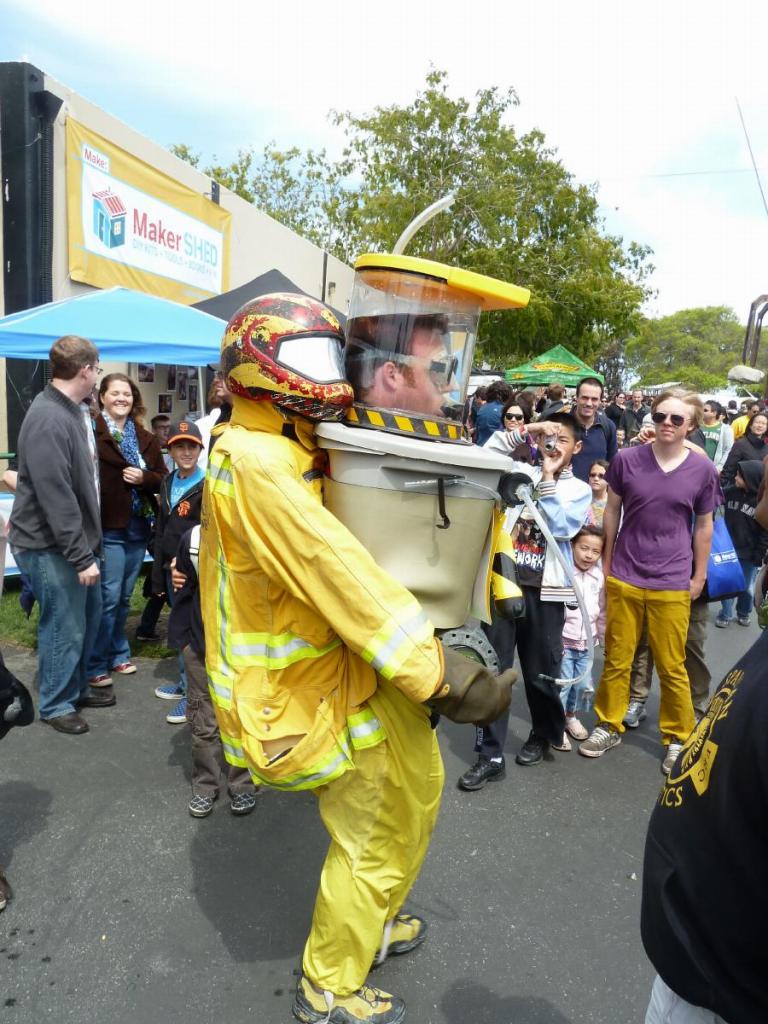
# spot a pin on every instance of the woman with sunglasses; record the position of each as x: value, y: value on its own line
x: 750, y: 446
x: 516, y: 412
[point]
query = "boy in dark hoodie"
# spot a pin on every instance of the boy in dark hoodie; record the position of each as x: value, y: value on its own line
x: 750, y: 540
x: 181, y: 496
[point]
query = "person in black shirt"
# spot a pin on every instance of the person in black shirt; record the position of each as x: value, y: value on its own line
x: 751, y: 446
x: 615, y: 409
x: 16, y: 708
x: 750, y: 539
x: 705, y: 898
x: 632, y: 418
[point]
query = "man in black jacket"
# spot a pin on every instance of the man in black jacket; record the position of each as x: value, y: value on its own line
x: 705, y: 900
x: 55, y: 532
x: 632, y: 419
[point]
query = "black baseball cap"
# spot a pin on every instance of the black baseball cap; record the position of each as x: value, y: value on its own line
x: 186, y: 430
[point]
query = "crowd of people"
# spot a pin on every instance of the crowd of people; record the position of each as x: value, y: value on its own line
x: 628, y: 490
x: 661, y: 468
x: 659, y: 472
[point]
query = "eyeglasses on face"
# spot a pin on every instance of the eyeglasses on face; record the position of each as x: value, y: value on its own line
x: 673, y: 417
x: 597, y: 476
x: 98, y: 369
x: 513, y: 416
x: 442, y: 370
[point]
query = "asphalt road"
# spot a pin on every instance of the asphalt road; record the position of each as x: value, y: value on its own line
x: 129, y: 911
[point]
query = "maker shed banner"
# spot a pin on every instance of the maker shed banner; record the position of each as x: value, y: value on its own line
x: 131, y: 225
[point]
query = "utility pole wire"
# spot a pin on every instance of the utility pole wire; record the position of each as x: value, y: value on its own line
x: 751, y: 155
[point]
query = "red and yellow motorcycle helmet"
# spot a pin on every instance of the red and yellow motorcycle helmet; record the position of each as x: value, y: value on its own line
x: 289, y: 350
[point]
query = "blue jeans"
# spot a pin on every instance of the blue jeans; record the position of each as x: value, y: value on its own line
x: 69, y: 619
x: 578, y: 696
x: 123, y: 554
x: 743, y: 601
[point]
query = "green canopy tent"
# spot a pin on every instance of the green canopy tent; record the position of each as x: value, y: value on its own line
x: 556, y: 366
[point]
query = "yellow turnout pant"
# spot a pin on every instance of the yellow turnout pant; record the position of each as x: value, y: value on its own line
x: 380, y: 818
x: 667, y: 613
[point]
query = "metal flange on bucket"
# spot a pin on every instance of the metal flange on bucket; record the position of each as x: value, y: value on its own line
x: 472, y: 642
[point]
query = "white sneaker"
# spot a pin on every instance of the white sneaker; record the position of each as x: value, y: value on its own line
x: 673, y: 750
x: 564, y: 745
x: 601, y: 738
x: 575, y: 729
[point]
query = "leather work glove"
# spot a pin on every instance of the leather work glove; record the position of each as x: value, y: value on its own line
x: 469, y: 693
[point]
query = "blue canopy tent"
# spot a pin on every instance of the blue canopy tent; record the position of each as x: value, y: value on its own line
x: 125, y: 326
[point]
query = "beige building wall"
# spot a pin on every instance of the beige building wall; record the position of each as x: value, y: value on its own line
x: 257, y: 242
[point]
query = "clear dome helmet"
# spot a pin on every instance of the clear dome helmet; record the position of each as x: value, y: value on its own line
x: 410, y: 339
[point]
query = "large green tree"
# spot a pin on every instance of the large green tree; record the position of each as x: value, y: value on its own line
x: 694, y: 346
x: 519, y: 215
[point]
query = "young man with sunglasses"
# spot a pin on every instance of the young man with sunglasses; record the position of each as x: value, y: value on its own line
x: 663, y: 494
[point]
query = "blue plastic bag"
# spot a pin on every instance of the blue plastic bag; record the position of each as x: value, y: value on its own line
x: 724, y: 574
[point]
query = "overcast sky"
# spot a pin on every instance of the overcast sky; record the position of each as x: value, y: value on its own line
x: 636, y: 97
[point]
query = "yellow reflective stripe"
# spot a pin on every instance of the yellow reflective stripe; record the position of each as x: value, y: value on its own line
x: 223, y: 606
x: 219, y: 475
x: 273, y: 651
x: 394, y: 642
x: 220, y: 689
x: 365, y: 729
x: 233, y: 752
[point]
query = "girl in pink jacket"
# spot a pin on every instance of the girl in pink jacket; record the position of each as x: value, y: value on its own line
x: 587, y: 550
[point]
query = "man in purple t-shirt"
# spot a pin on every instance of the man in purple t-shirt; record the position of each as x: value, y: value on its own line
x: 663, y: 494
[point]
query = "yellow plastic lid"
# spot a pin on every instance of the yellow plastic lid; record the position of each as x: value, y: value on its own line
x: 489, y: 291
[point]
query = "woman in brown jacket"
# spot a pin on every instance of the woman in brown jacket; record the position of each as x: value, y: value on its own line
x: 130, y: 470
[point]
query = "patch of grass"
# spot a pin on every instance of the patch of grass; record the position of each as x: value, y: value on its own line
x: 16, y: 628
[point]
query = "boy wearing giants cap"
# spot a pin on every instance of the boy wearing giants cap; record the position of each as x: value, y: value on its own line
x: 181, y: 495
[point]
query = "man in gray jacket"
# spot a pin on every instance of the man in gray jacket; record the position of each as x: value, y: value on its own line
x: 55, y: 532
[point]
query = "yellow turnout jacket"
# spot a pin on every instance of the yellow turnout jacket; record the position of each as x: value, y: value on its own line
x: 298, y: 617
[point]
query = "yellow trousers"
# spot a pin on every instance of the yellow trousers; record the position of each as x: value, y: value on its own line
x: 667, y: 612
x: 380, y: 818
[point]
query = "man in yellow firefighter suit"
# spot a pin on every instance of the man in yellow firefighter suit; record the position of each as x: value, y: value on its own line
x: 319, y: 662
